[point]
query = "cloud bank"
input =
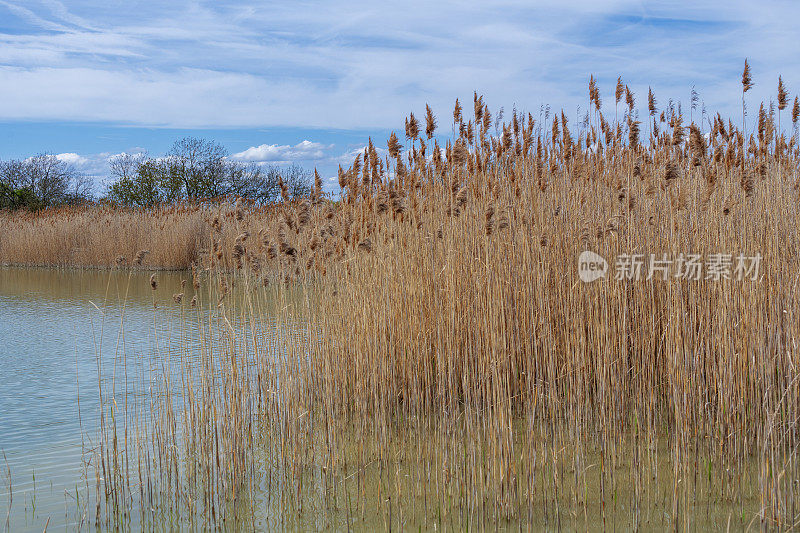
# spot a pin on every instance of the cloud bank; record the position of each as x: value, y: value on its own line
x: 355, y: 65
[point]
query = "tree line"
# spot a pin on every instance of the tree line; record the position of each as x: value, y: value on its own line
x: 41, y: 181
x: 193, y: 169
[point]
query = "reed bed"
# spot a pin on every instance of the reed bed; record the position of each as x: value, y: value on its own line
x: 101, y: 236
x: 451, y: 369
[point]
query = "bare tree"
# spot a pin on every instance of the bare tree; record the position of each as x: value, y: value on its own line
x: 199, y: 165
x: 297, y: 179
x: 198, y: 168
x: 125, y: 166
x: 46, y: 179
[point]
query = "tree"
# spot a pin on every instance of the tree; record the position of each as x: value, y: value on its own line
x: 17, y: 198
x: 197, y: 168
x: 297, y: 179
x: 139, y: 181
x: 42, y: 181
x: 124, y: 166
x: 253, y: 181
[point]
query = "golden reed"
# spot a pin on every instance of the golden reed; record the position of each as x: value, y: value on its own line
x: 435, y: 360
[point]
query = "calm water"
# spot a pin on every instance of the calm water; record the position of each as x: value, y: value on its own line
x: 59, y: 331
x: 65, y: 333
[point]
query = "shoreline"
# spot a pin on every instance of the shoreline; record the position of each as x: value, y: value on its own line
x: 92, y: 267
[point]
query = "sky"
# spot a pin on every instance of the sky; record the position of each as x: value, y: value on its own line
x: 310, y: 82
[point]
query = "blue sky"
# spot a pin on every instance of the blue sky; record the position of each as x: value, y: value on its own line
x: 309, y: 82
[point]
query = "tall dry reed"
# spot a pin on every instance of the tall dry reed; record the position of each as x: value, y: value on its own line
x: 450, y: 368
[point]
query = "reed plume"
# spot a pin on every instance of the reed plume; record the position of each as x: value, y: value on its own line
x: 425, y: 350
x: 430, y: 122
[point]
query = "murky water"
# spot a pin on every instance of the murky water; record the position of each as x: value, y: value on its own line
x: 59, y: 330
x: 65, y: 335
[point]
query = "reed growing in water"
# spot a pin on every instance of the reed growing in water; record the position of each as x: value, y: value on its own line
x: 101, y: 236
x: 450, y: 369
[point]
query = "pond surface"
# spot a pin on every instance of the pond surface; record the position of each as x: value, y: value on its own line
x: 59, y: 330
x: 66, y: 334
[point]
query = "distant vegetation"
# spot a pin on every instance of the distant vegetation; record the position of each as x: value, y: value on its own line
x: 197, y: 169
x: 41, y: 181
x: 193, y: 169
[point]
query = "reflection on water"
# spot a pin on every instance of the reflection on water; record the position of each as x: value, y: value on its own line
x: 56, y: 329
x: 65, y: 335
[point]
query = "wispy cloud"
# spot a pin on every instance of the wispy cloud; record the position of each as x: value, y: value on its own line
x: 349, y: 156
x: 260, y: 76
x: 194, y: 63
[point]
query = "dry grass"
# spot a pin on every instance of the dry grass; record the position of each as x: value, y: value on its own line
x: 450, y: 356
x: 101, y: 237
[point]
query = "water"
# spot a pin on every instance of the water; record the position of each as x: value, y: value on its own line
x: 64, y: 334
x: 56, y: 329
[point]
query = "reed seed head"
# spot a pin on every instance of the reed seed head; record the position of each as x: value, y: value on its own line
x: 747, y: 79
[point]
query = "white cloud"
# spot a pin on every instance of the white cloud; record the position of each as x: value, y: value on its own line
x: 350, y: 65
x: 304, y: 151
x: 73, y: 159
x: 352, y: 69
